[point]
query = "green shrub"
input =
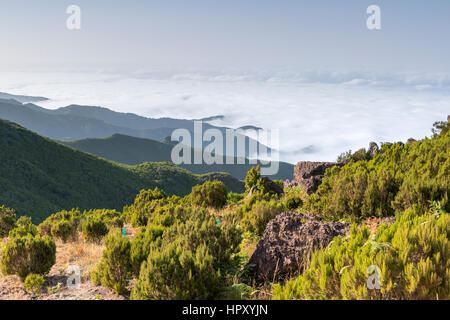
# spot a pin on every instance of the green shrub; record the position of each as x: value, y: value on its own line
x: 34, y: 283
x: 24, y: 226
x: 400, y: 176
x: 234, y: 197
x: 293, y: 202
x: 65, y: 225
x: 167, y: 215
x: 28, y: 254
x: 7, y: 221
x: 64, y: 230
x: 94, y: 229
x: 186, y: 262
x: 114, y: 270
x: 255, y: 214
x: 174, y: 272
x: 412, y: 255
x: 141, y: 244
x: 146, y: 202
x: 210, y: 194
x: 112, y: 218
x: 200, y: 227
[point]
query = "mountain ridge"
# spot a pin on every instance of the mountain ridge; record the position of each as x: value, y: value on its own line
x: 77, y: 122
x: 132, y: 150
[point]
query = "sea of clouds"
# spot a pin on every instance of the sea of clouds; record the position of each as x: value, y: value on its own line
x: 319, y: 114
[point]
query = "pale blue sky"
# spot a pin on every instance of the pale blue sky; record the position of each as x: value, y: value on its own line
x: 136, y: 34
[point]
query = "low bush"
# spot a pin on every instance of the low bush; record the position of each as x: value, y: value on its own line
x: 24, y: 226
x: 234, y: 197
x: 62, y: 225
x: 34, y: 283
x: 94, y: 229
x: 114, y: 270
x: 293, y: 202
x: 64, y: 230
x: 210, y: 194
x: 254, y: 214
x: 28, y: 254
x: 186, y: 262
x: 141, y: 244
x: 146, y: 202
x: 173, y: 272
x: 399, y: 177
x: 411, y: 258
x: 112, y: 218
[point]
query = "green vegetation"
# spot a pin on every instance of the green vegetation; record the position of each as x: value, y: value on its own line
x: 62, y: 225
x: 27, y: 254
x: 141, y: 244
x: 210, y: 194
x: 111, y: 218
x: 186, y: 262
x: 24, y: 226
x: 197, y: 245
x: 257, y: 212
x: 412, y: 255
x: 253, y: 178
x: 39, y: 176
x: 7, y: 221
x: 94, y: 229
x: 133, y: 151
x: 132, y: 139
x: 114, y: 270
x: 34, y: 283
x: 400, y: 176
x: 179, y: 251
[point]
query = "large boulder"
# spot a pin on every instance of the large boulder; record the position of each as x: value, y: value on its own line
x: 288, y: 242
x: 308, y: 175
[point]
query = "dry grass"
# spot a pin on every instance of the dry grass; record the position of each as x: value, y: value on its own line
x: 79, y: 253
x: 83, y: 254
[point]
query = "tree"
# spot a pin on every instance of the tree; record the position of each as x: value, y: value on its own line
x: 252, y: 178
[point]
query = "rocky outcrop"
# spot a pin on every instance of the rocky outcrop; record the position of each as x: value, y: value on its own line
x: 288, y: 242
x: 309, y: 175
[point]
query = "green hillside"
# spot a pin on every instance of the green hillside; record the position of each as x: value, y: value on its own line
x: 39, y: 176
x: 80, y: 122
x: 133, y: 151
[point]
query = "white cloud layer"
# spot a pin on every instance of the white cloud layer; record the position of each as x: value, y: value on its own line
x: 319, y: 114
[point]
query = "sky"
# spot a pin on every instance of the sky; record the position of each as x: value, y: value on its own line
x: 212, y: 34
x: 311, y: 69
